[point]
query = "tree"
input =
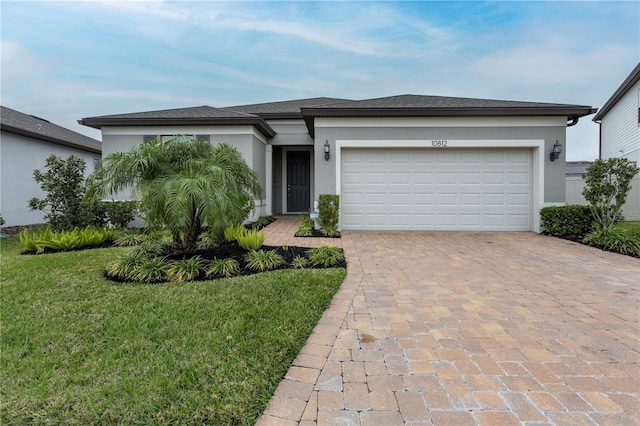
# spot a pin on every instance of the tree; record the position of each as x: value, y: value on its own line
x: 607, y: 184
x: 183, y: 185
x: 64, y: 184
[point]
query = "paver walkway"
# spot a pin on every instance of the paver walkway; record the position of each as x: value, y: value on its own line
x: 452, y: 328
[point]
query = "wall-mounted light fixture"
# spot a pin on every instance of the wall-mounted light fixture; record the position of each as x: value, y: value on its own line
x: 327, y: 150
x: 555, y: 152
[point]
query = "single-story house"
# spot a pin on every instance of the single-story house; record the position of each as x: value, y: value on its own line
x: 619, y: 120
x: 25, y: 143
x: 407, y: 162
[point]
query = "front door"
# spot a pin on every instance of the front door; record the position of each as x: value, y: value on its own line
x: 298, y: 181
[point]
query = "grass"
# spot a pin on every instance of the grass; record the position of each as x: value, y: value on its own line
x: 628, y: 225
x: 78, y: 349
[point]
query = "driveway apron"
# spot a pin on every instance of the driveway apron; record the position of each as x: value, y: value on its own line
x: 468, y: 328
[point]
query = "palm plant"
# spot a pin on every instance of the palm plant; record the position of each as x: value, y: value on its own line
x: 183, y: 184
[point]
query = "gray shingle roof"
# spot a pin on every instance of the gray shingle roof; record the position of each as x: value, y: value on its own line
x: 204, y: 111
x: 178, y: 116
x: 440, y: 106
x: 391, y: 106
x: 16, y: 122
x: 423, y: 101
x: 285, y: 107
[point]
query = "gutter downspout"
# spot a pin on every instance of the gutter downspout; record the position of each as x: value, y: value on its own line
x: 574, y: 121
x: 599, y: 138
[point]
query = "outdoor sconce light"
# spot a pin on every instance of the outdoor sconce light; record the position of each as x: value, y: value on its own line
x: 327, y: 150
x: 555, y: 153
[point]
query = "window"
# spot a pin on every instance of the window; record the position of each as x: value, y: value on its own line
x: 149, y: 138
x: 639, y: 106
x: 203, y: 138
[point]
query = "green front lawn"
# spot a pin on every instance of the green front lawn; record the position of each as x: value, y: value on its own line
x: 78, y: 349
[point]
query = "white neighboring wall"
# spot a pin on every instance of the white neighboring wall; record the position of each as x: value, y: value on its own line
x: 19, y: 157
x: 620, y: 129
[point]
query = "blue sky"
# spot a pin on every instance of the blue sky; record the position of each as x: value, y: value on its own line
x: 63, y: 61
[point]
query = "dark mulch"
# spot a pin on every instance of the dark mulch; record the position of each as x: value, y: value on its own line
x: 234, y: 251
x: 316, y: 234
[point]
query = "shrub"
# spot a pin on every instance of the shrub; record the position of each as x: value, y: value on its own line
x: 231, y: 232
x: 129, y: 237
x: 305, y: 228
x: 607, y: 185
x: 226, y: 267
x: 299, y: 262
x: 325, y: 255
x: 120, y: 213
x: 620, y: 240
x: 330, y: 231
x: 207, y: 241
x: 562, y: 221
x: 2, y: 222
x: 262, y: 260
x: 153, y: 270
x: 250, y: 240
x: 124, y: 267
x: 185, y: 270
x: 63, y: 182
x: 41, y: 239
x: 329, y: 210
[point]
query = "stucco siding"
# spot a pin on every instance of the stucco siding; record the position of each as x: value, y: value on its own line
x: 554, y: 172
x: 243, y: 138
x: 20, y: 156
x: 290, y: 132
x: 620, y: 130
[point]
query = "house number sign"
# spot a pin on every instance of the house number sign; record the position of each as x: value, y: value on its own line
x: 440, y: 143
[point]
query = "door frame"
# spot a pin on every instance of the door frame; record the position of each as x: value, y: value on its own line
x: 283, y: 172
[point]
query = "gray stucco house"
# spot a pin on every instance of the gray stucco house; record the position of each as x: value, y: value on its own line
x: 402, y: 162
x: 25, y: 143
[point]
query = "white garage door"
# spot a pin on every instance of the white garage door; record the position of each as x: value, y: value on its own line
x: 437, y: 189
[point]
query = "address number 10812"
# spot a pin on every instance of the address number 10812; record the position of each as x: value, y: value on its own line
x: 440, y: 143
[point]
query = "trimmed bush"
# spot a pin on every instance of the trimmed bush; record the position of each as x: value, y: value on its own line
x: 329, y: 211
x: 564, y: 221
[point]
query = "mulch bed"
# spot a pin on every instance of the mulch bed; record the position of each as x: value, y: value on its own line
x: 234, y: 251
x: 316, y: 234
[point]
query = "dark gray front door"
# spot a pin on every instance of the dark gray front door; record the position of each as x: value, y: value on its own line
x: 298, y: 181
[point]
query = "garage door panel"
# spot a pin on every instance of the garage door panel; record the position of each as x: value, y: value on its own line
x: 428, y: 189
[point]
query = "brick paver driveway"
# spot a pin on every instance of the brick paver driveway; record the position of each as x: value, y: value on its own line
x: 470, y: 328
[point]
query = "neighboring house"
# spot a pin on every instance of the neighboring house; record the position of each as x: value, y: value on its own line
x: 401, y: 162
x: 25, y: 143
x: 619, y: 121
